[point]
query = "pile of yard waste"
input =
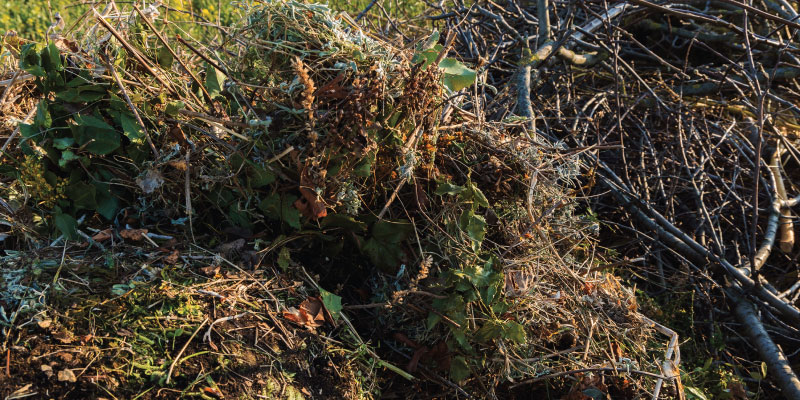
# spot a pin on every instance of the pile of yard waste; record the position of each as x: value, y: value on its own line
x: 294, y: 207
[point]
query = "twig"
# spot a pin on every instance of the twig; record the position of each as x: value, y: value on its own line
x: 582, y: 370
x: 365, y: 10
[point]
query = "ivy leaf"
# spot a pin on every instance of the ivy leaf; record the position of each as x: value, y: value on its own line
x: 456, y: 75
x: 215, y: 81
x: 107, y: 204
x: 477, y: 196
x: 53, y: 57
x: 332, y: 302
x: 594, y: 393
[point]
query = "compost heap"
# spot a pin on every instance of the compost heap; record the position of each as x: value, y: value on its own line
x: 294, y: 208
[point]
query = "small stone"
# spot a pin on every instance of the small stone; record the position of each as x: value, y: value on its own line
x: 48, y: 370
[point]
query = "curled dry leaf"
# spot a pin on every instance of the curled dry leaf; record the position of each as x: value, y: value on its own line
x: 133, y: 234
x: 311, y: 313
x: 211, y: 270
x: 103, y: 235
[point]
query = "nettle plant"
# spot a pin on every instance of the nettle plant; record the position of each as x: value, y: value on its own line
x: 77, y: 120
x: 474, y: 288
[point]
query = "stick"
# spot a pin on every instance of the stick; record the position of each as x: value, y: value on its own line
x: 777, y: 364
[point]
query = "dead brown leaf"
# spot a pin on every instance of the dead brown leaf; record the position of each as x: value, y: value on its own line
x: 211, y: 270
x: 133, y: 234
x: 103, y: 235
x: 310, y: 314
x: 173, y: 257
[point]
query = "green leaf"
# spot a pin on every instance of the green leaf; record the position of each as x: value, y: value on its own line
x: 456, y: 75
x: 281, y: 208
x: 53, y: 57
x: 259, y: 176
x: 121, y: 288
x: 332, y: 302
x: 474, y: 225
x: 385, y: 256
x: 101, y: 137
x: 66, y: 157
x: 30, y: 61
x: 43, y: 119
x: 476, y: 196
x: 695, y: 393
x: 174, y: 107
x: 364, y: 168
x: 164, y: 57
x: 215, y: 81
x: 426, y: 57
x: 392, y: 231
x: 343, y: 221
x: 430, y: 42
x: 63, y: 143
x: 107, y: 205
x: 29, y: 131
x: 67, y: 225
x: 490, y: 330
x: 432, y: 320
x: 514, y: 331
x: 447, y: 188
x: 459, y: 369
x: 82, y: 195
x: 130, y: 127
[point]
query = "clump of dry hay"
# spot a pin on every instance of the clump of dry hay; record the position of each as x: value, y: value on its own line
x: 298, y: 141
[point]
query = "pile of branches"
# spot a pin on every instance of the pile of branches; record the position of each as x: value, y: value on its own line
x: 411, y: 187
x: 685, y: 116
